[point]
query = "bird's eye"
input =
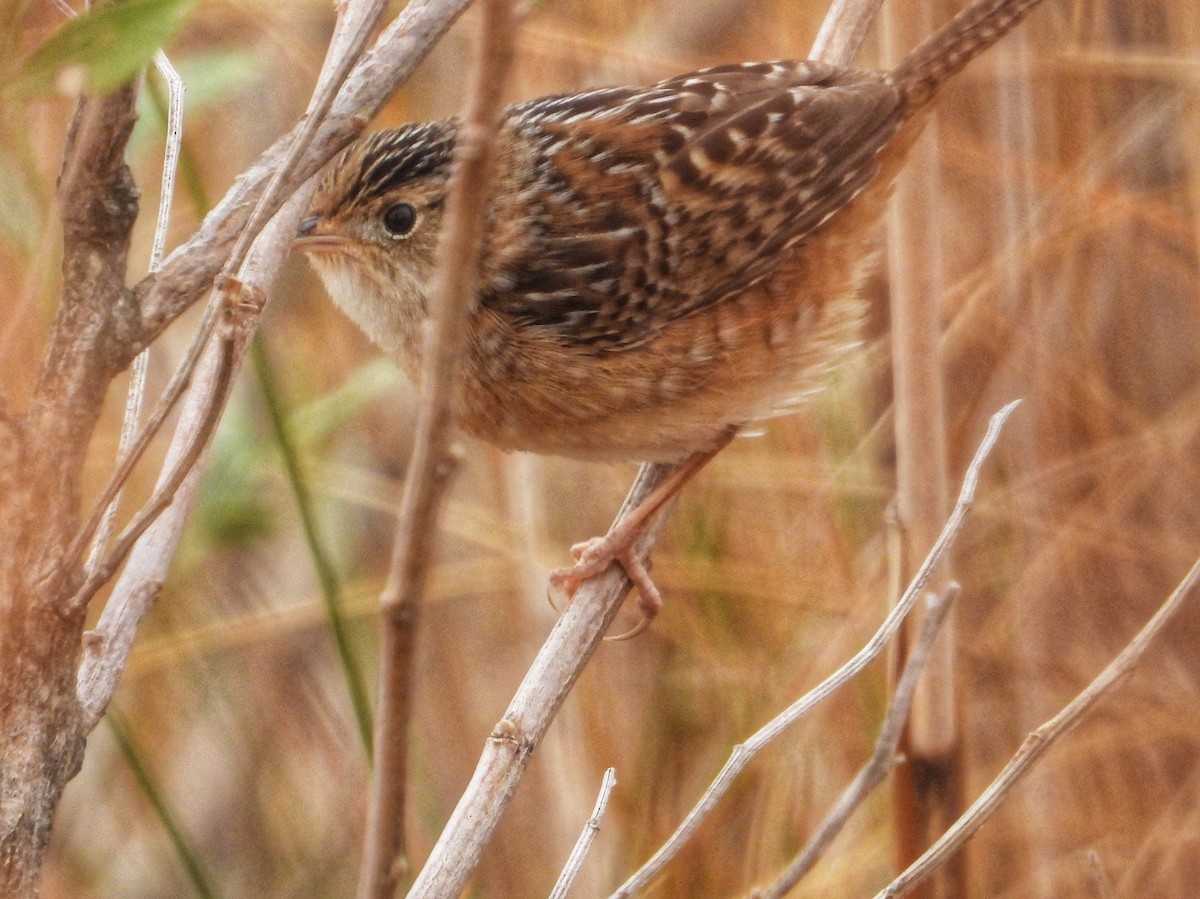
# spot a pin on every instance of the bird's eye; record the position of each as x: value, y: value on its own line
x: 400, y: 219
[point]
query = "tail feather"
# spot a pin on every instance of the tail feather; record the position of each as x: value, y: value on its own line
x: 945, y: 53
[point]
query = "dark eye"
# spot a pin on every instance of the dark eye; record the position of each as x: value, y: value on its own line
x: 399, y: 219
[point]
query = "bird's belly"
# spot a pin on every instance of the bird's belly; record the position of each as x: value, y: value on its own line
x: 744, y: 359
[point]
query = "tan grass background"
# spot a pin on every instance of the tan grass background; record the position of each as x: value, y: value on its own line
x: 1065, y: 197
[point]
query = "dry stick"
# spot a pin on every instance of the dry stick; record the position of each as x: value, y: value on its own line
x: 170, y: 479
x: 429, y: 468
x: 1040, y: 740
x: 882, y: 760
x: 553, y: 672
x: 586, y: 837
x: 932, y: 738
x: 744, y: 753
x: 136, y: 394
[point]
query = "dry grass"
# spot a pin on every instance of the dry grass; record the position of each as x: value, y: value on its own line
x: 1067, y: 192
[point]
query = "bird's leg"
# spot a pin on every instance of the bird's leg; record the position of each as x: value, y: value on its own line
x: 620, y: 543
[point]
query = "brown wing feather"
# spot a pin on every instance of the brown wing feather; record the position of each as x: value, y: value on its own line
x: 665, y: 200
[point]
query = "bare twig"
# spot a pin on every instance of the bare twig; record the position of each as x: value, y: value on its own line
x: 1040, y: 740
x: 742, y: 755
x: 553, y: 672
x: 141, y: 364
x: 429, y: 469
x: 843, y: 31
x: 882, y: 760
x: 586, y: 837
x: 100, y: 573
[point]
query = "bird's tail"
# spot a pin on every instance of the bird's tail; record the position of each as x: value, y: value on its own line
x: 963, y: 38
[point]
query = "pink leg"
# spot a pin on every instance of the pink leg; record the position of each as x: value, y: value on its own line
x: 619, y: 544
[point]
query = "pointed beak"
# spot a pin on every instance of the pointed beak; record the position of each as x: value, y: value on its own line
x: 310, y: 238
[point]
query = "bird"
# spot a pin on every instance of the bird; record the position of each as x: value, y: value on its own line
x: 662, y: 265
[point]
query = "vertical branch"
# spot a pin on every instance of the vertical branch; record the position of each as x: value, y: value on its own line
x: 431, y: 464
x: 141, y: 363
x: 927, y: 790
x: 41, y: 738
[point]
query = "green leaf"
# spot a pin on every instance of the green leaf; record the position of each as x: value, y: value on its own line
x: 108, y: 45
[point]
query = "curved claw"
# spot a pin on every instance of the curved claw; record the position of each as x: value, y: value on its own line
x: 594, y: 556
x: 551, y: 600
x: 635, y: 631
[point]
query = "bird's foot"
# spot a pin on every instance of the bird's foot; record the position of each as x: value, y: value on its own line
x: 594, y: 556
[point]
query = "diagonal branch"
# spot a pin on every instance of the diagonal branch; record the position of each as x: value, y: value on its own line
x: 882, y: 760
x: 743, y: 754
x: 1040, y: 740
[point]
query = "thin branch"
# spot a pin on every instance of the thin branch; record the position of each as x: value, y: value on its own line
x: 742, y: 755
x: 171, y: 150
x: 882, y: 760
x: 136, y: 394
x: 1040, y: 740
x: 843, y: 30
x: 572, y: 640
x: 345, y: 52
x: 586, y: 837
x: 431, y: 464
x: 172, y: 478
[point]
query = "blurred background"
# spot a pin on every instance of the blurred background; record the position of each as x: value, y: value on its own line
x: 1057, y: 192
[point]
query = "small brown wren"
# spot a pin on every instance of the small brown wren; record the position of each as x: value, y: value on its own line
x: 662, y: 264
